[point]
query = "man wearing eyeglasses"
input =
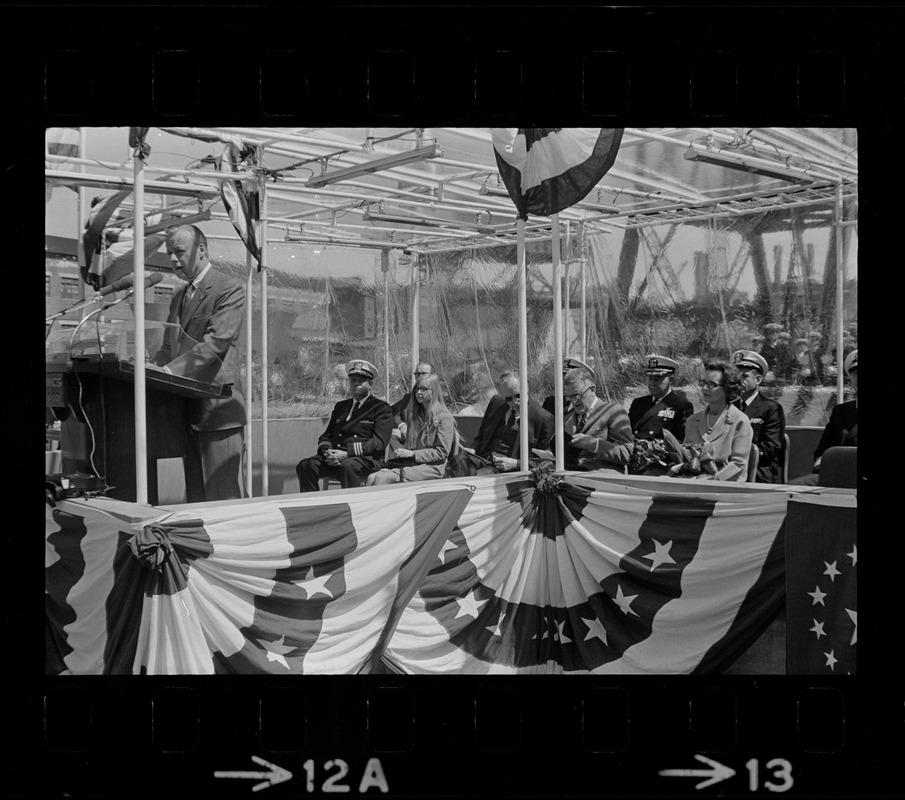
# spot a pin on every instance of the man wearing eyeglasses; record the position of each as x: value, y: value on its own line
x: 569, y: 362
x: 421, y: 370
x: 496, y: 447
x: 598, y: 433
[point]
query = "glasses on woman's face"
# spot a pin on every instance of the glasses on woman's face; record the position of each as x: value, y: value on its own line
x: 710, y: 385
x: 421, y: 389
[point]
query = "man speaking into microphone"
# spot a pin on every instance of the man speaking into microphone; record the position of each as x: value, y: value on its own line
x: 206, y: 317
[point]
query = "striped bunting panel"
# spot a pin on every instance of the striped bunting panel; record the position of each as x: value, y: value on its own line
x: 548, y: 169
x: 594, y: 577
x: 311, y: 584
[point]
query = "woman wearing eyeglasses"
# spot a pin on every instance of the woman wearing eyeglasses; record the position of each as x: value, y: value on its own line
x: 429, y: 439
x: 722, y: 429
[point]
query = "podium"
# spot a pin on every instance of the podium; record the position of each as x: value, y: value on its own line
x: 91, y: 390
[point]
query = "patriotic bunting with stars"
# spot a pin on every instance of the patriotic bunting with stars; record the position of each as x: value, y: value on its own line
x: 821, y: 581
x: 596, y: 577
x: 309, y: 584
x: 548, y: 169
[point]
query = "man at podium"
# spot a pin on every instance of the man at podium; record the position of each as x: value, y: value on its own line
x: 206, y: 316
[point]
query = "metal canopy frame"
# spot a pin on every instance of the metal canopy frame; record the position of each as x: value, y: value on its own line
x: 651, y: 183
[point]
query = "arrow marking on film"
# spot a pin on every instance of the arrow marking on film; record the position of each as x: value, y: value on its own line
x: 718, y: 772
x: 275, y: 775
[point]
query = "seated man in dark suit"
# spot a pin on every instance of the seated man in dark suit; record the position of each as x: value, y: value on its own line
x: 569, y: 362
x: 842, y: 429
x: 768, y: 420
x: 354, y: 443
x: 498, y: 440
x: 598, y: 432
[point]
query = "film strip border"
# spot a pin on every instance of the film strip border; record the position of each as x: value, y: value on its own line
x: 334, y: 65
x: 472, y: 736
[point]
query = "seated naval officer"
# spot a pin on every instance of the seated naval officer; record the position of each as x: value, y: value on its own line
x: 768, y: 420
x: 354, y: 443
x: 662, y: 408
x: 496, y: 448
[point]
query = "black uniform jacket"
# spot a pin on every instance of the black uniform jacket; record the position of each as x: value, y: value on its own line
x: 768, y: 427
x: 841, y: 430
x: 651, y: 417
x: 367, y: 433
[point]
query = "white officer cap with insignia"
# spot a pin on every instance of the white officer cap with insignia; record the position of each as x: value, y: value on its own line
x: 570, y: 362
x: 359, y: 366
x: 850, y: 364
x: 748, y: 359
x: 660, y: 366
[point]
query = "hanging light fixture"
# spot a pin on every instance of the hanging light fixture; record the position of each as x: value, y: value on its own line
x: 376, y: 165
x: 743, y: 163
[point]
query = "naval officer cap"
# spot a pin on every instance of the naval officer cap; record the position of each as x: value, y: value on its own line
x: 660, y: 366
x: 773, y: 327
x: 570, y: 362
x: 361, y: 367
x: 850, y: 364
x: 748, y: 359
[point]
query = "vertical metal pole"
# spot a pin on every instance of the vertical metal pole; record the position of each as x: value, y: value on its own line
x: 583, y: 266
x: 567, y: 311
x: 416, y: 309
x: 265, y: 483
x: 522, y: 342
x: 138, y: 267
x: 840, y: 287
x: 385, y: 267
x: 557, y: 343
x: 82, y: 208
x: 249, y: 437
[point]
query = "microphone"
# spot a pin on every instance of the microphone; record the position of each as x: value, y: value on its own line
x: 126, y: 282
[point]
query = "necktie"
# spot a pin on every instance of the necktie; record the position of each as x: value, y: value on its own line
x: 579, y: 421
x: 353, y: 410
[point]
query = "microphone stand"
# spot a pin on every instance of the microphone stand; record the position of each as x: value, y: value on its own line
x: 97, y: 311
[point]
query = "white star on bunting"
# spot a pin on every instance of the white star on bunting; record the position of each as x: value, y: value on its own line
x: 595, y: 628
x: 469, y: 605
x: 831, y: 570
x: 830, y: 660
x: 448, y: 547
x: 818, y: 596
x: 853, y: 555
x: 563, y: 639
x: 313, y: 585
x: 660, y: 555
x: 853, y: 615
x: 495, y: 630
x: 276, y: 650
x: 624, y: 602
x: 818, y: 629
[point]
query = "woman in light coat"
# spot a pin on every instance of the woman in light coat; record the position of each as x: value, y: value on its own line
x: 723, y: 430
x: 429, y: 437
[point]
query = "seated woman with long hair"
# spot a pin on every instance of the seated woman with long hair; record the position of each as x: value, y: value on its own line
x: 723, y: 430
x: 429, y: 439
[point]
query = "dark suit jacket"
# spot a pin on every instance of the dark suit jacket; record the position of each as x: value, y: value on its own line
x: 670, y: 414
x: 366, y: 434
x: 609, y: 425
x: 841, y: 430
x: 202, y: 345
x: 540, y: 429
x: 768, y: 427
